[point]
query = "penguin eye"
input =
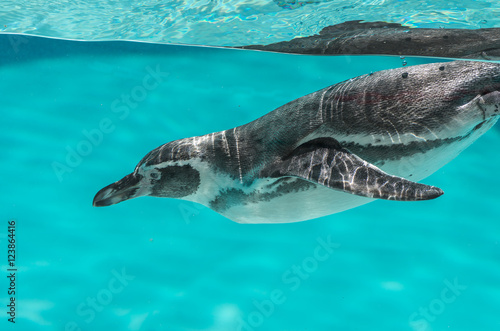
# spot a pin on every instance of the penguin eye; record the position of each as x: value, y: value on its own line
x: 154, y: 175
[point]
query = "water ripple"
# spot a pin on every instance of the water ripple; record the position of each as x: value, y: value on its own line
x: 229, y: 23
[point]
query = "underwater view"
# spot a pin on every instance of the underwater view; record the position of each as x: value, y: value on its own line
x: 89, y: 89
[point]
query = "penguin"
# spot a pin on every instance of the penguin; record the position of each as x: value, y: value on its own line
x: 371, y: 137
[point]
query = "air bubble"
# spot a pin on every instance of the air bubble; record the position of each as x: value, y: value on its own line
x: 403, y: 62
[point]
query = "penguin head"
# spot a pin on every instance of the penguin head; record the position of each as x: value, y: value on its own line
x: 168, y: 179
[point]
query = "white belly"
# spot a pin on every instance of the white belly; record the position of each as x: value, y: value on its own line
x: 295, y: 207
x: 422, y: 165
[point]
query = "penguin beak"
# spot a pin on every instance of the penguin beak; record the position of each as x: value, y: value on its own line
x: 124, y: 189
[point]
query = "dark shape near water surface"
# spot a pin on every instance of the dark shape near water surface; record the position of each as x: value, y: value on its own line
x: 381, y: 38
x: 370, y: 137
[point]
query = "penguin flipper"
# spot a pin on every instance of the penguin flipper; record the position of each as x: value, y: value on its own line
x: 324, y: 161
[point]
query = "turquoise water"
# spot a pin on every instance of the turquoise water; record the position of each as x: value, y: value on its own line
x: 67, y: 130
